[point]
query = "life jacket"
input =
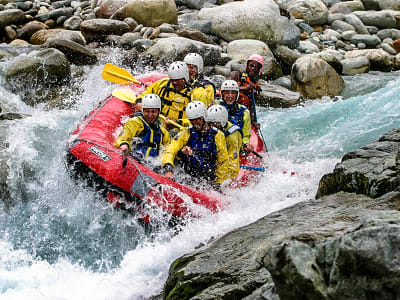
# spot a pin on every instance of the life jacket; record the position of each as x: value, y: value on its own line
x: 235, y: 113
x: 202, y: 83
x: 150, y: 138
x: 167, y: 103
x: 246, y: 98
x: 203, y: 162
x: 231, y: 129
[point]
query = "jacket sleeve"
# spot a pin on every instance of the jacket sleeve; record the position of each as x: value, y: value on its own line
x: 246, y: 127
x: 153, y: 88
x: 177, y: 143
x: 166, y: 137
x: 234, y: 142
x: 131, y: 129
x: 222, y: 171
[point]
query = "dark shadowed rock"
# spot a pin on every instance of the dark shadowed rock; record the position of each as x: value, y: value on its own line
x: 76, y: 53
x: 373, y: 170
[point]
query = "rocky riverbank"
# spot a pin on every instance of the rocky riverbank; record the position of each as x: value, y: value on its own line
x: 344, y: 244
x: 307, y: 45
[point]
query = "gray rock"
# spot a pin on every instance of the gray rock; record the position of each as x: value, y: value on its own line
x: 75, y: 53
x: 342, y: 26
x: 273, y: 95
x: 372, y: 170
x: 11, y: 16
x: 392, y: 33
x: 306, y: 28
x: 333, y: 17
x: 356, y: 22
x: 286, y: 57
x: 98, y: 29
x: 369, y: 40
x: 308, y: 251
x: 380, y: 19
x: 203, y: 26
x: 357, y: 65
x: 290, y: 34
x: 371, y: 4
x: 73, y: 23
x: 388, y: 48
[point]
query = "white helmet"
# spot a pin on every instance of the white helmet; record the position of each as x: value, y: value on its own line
x: 230, y: 85
x: 195, y: 59
x: 196, y: 109
x: 178, y: 70
x: 151, y: 101
x: 217, y: 114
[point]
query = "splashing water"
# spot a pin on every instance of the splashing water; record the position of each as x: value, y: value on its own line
x: 60, y: 240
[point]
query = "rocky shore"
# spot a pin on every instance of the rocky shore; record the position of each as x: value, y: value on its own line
x: 344, y: 244
x: 308, y: 45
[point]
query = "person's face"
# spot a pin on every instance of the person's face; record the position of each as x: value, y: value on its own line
x: 253, y: 68
x: 198, y: 123
x: 192, y: 71
x: 229, y: 97
x: 216, y: 125
x: 178, y: 84
x: 150, y: 114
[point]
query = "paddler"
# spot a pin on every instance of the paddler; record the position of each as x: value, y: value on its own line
x: 201, y: 149
x: 175, y: 93
x: 144, y: 130
x: 238, y: 114
x: 195, y: 64
x: 217, y: 116
x: 248, y: 84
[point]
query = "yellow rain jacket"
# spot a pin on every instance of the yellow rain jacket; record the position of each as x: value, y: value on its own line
x: 233, y: 136
x: 180, y: 141
x: 245, y: 124
x: 173, y: 102
x: 210, y: 92
x: 134, y: 127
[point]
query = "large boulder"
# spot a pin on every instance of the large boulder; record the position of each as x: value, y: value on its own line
x: 379, y: 59
x: 76, y: 53
x: 107, y: 8
x: 343, y: 246
x: 373, y: 170
x: 314, y: 12
x: 248, y: 19
x: 41, y: 36
x: 11, y: 17
x: 315, y: 78
x: 152, y: 13
x: 38, y: 69
x: 175, y: 48
x: 98, y: 29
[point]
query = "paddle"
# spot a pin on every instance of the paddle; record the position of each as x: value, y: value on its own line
x: 118, y: 75
x: 253, y: 102
x: 125, y: 95
x: 252, y: 168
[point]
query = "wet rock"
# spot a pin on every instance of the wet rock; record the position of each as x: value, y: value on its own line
x: 358, y: 65
x: 380, y: 60
x: 75, y: 53
x: 41, y: 36
x: 313, y: 12
x: 277, y: 96
x: 308, y: 251
x: 315, y: 78
x: 372, y: 170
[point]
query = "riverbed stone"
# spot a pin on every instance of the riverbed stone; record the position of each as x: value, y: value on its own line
x: 273, y: 95
x: 372, y: 170
x: 380, y: 60
x: 97, y: 29
x: 315, y: 78
x: 357, y: 65
x: 11, y: 16
x: 380, y: 19
x: 313, y: 12
x: 41, y: 36
x: 248, y: 19
x: 152, y: 12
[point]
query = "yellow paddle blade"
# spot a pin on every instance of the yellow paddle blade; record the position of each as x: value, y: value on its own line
x: 117, y: 75
x: 170, y: 121
x: 125, y: 95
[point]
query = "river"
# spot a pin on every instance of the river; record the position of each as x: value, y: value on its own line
x: 59, y: 240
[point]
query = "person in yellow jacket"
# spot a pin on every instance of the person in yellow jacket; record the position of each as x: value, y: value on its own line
x: 217, y: 116
x: 175, y: 92
x: 146, y: 128
x: 238, y: 114
x: 201, y: 149
x: 195, y: 65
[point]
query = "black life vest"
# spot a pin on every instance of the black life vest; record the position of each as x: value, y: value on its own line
x: 203, y: 162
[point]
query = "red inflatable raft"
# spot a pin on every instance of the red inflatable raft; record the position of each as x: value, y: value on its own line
x: 92, y: 156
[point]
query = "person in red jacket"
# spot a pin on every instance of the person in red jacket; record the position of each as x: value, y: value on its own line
x: 248, y: 84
